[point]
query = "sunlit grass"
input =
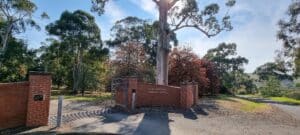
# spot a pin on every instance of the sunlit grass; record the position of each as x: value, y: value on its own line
x: 286, y: 100
x: 99, y: 97
x: 242, y: 104
x: 250, y: 106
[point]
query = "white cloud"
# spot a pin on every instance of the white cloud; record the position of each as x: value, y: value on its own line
x: 254, y: 32
x: 147, y: 5
x: 114, y: 12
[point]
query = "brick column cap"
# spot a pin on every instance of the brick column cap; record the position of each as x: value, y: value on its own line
x: 39, y: 73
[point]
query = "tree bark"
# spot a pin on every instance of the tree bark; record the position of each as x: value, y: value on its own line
x: 6, y: 36
x: 76, y: 71
x: 163, y: 45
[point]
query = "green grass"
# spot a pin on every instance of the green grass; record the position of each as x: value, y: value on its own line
x: 250, y: 106
x: 243, y: 104
x: 102, y: 97
x: 286, y: 100
x: 223, y: 96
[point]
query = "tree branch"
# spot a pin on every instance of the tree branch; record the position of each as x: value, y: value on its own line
x: 171, y: 4
x: 206, y: 33
x: 180, y: 22
x: 156, y: 2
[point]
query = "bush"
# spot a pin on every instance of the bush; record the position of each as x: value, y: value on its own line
x: 293, y: 94
x: 186, y: 66
x: 242, y: 92
x: 272, y: 88
x: 298, y: 85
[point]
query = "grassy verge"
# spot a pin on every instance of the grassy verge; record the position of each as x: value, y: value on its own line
x: 286, y: 100
x: 100, y: 97
x: 250, y: 106
x: 241, y: 104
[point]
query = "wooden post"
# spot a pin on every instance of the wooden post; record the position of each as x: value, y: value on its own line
x: 59, y: 110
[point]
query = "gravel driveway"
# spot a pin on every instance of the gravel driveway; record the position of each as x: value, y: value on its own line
x: 208, y: 118
x: 291, y: 109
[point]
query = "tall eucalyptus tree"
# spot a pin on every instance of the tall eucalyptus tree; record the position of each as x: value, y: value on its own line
x: 175, y: 15
x: 80, y: 32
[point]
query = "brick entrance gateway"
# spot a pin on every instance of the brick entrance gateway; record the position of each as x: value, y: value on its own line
x: 155, y: 95
x: 25, y: 103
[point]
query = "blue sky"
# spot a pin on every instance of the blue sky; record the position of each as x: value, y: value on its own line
x: 254, y: 22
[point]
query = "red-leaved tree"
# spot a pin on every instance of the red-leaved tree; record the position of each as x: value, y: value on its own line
x: 131, y: 60
x: 186, y: 66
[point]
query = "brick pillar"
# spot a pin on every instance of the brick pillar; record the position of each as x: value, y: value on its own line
x: 186, y: 96
x: 132, y: 85
x: 38, y: 99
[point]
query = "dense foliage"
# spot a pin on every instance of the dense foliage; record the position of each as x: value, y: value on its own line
x: 230, y: 67
x: 272, y: 88
x: 130, y: 60
x: 76, y: 57
x: 144, y: 32
x: 272, y: 69
x: 289, y: 33
x: 17, y: 61
x: 15, y: 15
x: 185, y: 66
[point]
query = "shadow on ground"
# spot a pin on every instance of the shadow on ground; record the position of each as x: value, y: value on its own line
x: 153, y: 120
x: 154, y: 123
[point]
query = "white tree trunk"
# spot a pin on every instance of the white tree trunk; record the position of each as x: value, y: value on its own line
x: 5, y: 37
x: 163, y: 45
x: 162, y: 66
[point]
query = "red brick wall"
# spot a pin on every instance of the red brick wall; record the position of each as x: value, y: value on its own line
x: 157, y: 95
x: 187, y: 96
x: 17, y: 105
x: 120, y: 97
x: 38, y: 111
x: 13, y: 104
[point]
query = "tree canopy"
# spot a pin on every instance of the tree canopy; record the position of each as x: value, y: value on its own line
x: 230, y: 66
x: 289, y: 33
x: 81, y: 35
x: 144, y: 32
x: 17, y: 61
x: 15, y: 16
x: 186, y: 66
x: 272, y: 69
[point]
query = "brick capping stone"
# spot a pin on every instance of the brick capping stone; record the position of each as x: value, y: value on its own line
x: 39, y: 73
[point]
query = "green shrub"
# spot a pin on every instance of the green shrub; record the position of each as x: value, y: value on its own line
x: 272, y: 88
x: 293, y: 94
x: 242, y: 92
x: 298, y: 85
